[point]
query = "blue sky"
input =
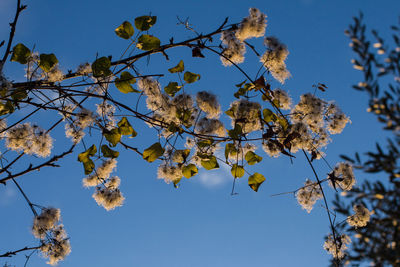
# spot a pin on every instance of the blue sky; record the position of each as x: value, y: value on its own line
x: 199, y: 224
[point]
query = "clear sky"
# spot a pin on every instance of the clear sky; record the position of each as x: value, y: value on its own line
x: 199, y: 224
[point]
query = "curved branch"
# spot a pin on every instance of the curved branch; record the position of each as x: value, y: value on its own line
x: 13, y: 25
x: 13, y: 253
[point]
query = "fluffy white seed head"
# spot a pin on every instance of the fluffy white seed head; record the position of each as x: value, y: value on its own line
x: 360, y: 218
x: 274, y: 59
x: 308, y: 195
x: 208, y: 103
x: 337, y: 249
x: 108, y: 198
x: 29, y: 139
x: 234, y: 50
x: 252, y: 26
x: 101, y: 174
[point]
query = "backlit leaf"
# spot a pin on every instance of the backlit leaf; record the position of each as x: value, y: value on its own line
x: 153, y: 152
x: 47, y: 61
x: 125, y: 127
x: 125, y: 30
x: 178, y: 68
x: 20, y: 54
x: 237, y: 171
x: 189, y: 170
x: 143, y: 23
x: 172, y: 88
x: 148, y: 42
x: 113, y: 136
x: 210, y: 163
x: 256, y: 180
x: 124, y: 83
x: 190, y: 77
x: 252, y: 158
x: 101, y: 67
x: 108, y: 152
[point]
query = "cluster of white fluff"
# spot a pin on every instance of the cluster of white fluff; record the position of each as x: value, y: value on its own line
x: 75, y: 129
x: 32, y: 72
x: 308, y: 195
x: 234, y: 50
x: 272, y: 148
x: 209, y: 104
x: 55, y: 243
x: 246, y: 114
x: 337, y: 249
x: 207, y: 126
x: 337, y: 120
x: 45, y: 221
x: 170, y: 173
x: 29, y: 139
x: 283, y: 98
x: 84, y: 69
x: 55, y: 74
x: 317, y: 113
x: 107, y: 193
x: 106, y: 111
x: 252, y: 26
x: 101, y: 174
x: 274, y: 59
x: 313, y: 120
x: 178, y: 156
x: 360, y: 218
x: 109, y: 196
x: 164, y: 108
x: 343, y: 176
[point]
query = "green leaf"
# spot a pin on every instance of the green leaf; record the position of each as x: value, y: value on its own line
x: 210, y: 163
x: 256, y: 180
x: 124, y: 83
x: 178, y: 68
x: 6, y: 108
x: 125, y: 30
x: 153, y: 152
x: 184, y: 116
x: 230, y: 149
x: 113, y: 136
x: 20, y: 54
x: 283, y: 122
x: 269, y: 115
x: 108, y: 152
x: 47, y: 61
x: 125, y: 127
x: 101, y: 67
x: 235, y: 132
x: 19, y: 94
x: 190, y: 77
x: 230, y: 113
x: 204, y: 143
x: 90, y: 152
x: 176, y: 182
x: 237, y: 171
x: 180, y: 155
x: 252, y: 158
x: 240, y: 84
x: 172, y: 88
x: 189, y: 170
x: 84, y: 157
x: 148, y: 42
x: 144, y: 23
